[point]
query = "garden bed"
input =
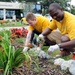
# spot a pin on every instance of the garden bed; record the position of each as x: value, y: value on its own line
x: 38, y: 66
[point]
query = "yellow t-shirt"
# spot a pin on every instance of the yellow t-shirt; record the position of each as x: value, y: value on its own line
x: 66, y: 26
x: 41, y: 25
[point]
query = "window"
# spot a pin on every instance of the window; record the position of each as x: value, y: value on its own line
x: 1, y: 14
x: 10, y: 14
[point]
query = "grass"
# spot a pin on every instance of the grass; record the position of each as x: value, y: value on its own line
x: 20, y: 40
x: 65, y: 57
x: 12, y: 24
x: 45, y: 48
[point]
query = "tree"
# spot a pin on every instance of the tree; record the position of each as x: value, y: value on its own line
x: 63, y: 3
x: 73, y: 10
x: 5, y: 0
x: 46, y: 3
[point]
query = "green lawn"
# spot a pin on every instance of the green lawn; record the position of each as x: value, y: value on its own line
x: 12, y: 24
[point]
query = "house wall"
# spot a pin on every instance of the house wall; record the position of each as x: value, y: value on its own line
x: 10, y: 9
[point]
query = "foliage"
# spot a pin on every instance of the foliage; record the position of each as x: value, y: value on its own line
x: 11, y: 24
x: 2, y: 21
x: 20, y: 40
x: 3, y: 32
x: 63, y: 3
x: 35, y: 60
x: 18, y: 32
x: 46, y: 3
x: 73, y: 10
x: 19, y: 0
x: 11, y: 58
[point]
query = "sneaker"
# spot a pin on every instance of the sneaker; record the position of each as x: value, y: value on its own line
x: 73, y: 56
x: 64, y: 53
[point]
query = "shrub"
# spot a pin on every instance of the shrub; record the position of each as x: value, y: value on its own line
x: 11, y: 58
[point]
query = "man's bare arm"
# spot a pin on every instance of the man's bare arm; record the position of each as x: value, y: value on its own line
x: 46, y: 31
x: 28, y: 38
x: 68, y: 44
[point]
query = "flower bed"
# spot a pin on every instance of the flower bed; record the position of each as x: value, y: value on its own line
x: 18, y: 32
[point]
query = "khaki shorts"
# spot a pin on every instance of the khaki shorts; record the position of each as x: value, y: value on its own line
x: 55, y: 37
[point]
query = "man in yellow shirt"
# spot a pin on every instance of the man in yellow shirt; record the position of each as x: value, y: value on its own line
x: 37, y: 24
x: 65, y: 22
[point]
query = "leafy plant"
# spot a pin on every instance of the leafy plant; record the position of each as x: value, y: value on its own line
x: 35, y: 60
x: 11, y: 24
x: 11, y: 58
x: 20, y: 40
x: 6, y: 32
x: 18, y: 32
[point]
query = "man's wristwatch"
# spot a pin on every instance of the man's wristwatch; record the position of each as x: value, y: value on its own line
x: 60, y: 46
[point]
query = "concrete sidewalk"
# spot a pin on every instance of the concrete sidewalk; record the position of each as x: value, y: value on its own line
x: 8, y: 28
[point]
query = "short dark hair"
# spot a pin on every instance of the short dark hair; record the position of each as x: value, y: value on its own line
x: 54, y: 6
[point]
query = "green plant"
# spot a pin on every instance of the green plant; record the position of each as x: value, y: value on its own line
x: 20, y: 40
x: 35, y: 60
x: 6, y: 32
x: 11, y: 58
x: 12, y: 24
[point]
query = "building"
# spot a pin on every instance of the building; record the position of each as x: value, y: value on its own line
x: 33, y: 7
x: 11, y: 10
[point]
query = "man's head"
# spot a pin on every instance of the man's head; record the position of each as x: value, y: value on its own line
x: 56, y: 11
x: 31, y: 19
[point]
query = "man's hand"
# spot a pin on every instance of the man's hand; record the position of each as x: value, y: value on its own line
x: 53, y: 48
x: 42, y: 54
x: 40, y: 39
x: 25, y: 48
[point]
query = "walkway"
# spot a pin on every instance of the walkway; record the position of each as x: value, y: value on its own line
x: 7, y: 28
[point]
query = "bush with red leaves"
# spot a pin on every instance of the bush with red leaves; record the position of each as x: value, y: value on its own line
x: 18, y: 32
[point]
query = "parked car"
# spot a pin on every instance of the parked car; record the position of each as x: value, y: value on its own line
x: 23, y: 21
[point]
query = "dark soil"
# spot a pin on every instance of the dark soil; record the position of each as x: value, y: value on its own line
x: 38, y: 66
x: 46, y: 67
